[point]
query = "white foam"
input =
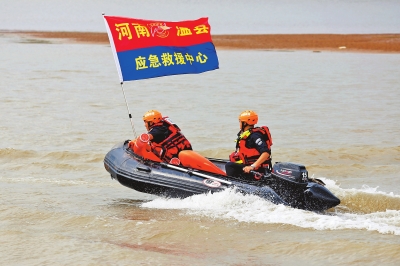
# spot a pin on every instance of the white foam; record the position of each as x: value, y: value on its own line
x: 249, y: 208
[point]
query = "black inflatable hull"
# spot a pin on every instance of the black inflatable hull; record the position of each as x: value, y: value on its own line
x: 167, y: 180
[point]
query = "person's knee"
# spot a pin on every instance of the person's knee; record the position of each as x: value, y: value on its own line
x: 228, y: 168
x: 233, y: 169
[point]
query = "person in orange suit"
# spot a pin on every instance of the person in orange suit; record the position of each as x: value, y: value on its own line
x: 164, y: 137
x: 253, y: 148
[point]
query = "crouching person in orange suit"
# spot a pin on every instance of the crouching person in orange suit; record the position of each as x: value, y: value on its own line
x: 164, y: 142
x: 164, y: 139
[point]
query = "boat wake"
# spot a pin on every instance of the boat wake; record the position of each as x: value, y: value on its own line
x: 362, y: 209
x: 366, y: 200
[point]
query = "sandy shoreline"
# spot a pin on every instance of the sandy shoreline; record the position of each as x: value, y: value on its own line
x: 376, y: 43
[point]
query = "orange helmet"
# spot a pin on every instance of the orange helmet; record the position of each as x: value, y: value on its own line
x: 152, y: 116
x: 249, y: 117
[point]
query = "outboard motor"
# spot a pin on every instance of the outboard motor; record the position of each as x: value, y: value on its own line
x: 291, y: 172
x: 291, y: 182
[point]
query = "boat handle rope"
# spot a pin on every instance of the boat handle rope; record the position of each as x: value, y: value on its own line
x: 258, y: 175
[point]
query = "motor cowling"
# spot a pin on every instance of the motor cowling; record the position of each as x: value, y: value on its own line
x: 291, y: 172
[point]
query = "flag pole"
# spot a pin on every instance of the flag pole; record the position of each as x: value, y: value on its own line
x: 119, y: 70
x: 129, y: 112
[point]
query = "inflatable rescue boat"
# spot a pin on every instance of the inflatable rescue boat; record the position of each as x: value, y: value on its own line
x: 287, y: 184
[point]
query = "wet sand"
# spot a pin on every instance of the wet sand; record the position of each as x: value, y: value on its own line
x: 387, y: 43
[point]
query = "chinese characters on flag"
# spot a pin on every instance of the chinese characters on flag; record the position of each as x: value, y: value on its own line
x: 146, y: 49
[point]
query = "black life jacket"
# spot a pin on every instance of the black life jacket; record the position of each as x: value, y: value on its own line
x: 173, y: 144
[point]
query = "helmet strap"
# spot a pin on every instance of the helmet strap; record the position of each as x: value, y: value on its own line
x: 246, y: 126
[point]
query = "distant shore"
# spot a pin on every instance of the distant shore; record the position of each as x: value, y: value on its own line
x: 374, y: 43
